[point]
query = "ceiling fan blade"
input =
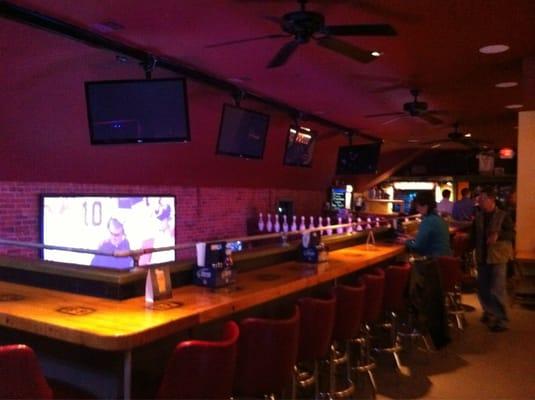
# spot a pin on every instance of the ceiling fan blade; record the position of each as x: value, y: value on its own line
x: 430, y: 118
x: 360, y: 30
x: 271, y: 18
x: 283, y: 54
x: 384, y: 114
x: 273, y: 36
x: 346, y: 49
x: 394, y: 119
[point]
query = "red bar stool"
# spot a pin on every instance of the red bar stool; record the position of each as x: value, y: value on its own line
x: 202, y: 369
x: 451, y: 276
x: 315, y: 332
x: 374, y: 282
x: 267, y: 353
x: 21, y: 376
x: 348, y: 320
x: 396, y: 280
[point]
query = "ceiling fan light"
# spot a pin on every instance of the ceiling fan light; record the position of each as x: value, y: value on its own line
x: 468, y: 134
x: 514, y: 106
x: 494, y: 49
x: 506, y: 84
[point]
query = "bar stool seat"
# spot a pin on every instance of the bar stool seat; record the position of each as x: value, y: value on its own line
x: 451, y: 276
x: 202, y: 369
x: 374, y: 282
x: 316, y: 326
x: 396, y: 281
x: 21, y: 376
x: 349, y: 312
x: 267, y: 353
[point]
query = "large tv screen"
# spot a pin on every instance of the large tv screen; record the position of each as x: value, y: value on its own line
x: 358, y: 159
x: 299, y: 146
x: 242, y: 132
x: 137, y: 111
x: 108, y: 223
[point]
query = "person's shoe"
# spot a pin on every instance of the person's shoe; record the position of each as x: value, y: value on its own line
x: 498, y: 327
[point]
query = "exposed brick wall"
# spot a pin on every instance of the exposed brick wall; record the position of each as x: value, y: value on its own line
x: 201, y: 213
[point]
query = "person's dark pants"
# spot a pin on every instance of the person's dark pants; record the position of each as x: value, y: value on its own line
x: 491, y: 280
x: 427, y: 299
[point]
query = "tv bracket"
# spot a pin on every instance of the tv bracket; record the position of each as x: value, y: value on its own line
x: 148, y: 66
x: 238, y: 96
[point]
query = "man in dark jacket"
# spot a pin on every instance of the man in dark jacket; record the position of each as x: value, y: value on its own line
x: 492, y: 236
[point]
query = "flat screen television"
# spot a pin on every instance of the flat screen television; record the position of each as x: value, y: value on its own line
x: 107, y: 223
x: 137, y: 111
x: 242, y: 132
x: 358, y: 159
x: 299, y: 146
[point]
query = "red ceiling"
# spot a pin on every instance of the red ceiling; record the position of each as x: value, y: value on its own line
x: 436, y: 50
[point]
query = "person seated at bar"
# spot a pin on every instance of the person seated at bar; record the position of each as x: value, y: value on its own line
x: 463, y: 209
x: 433, y: 238
x: 426, y: 296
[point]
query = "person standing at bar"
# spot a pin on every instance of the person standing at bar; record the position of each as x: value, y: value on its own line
x: 445, y: 206
x: 492, y: 236
x: 463, y: 209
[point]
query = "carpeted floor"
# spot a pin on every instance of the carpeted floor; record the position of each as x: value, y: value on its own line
x: 478, y: 364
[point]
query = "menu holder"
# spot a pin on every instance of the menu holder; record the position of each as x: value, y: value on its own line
x: 158, y: 284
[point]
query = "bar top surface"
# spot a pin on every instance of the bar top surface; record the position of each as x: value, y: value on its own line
x: 119, y: 325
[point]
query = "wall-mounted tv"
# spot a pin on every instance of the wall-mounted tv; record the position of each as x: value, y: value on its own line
x: 107, y: 223
x: 299, y: 146
x: 242, y: 132
x: 358, y: 159
x: 137, y: 111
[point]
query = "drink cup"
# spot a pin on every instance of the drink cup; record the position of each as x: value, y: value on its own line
x: 201, y: 253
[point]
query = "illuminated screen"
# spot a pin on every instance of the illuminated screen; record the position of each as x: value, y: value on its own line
x: 299, y: 147
x: 242, y: 132
x: 108, y: 223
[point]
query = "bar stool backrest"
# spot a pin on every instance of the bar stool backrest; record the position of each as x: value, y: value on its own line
x: 21, y: 376
x: 202, y: 369
x: 316, y: 326
x: 267, y: 352
x: 396, y: 280
x: 460, y: 244
x: 349, y: 311
x: 450, y: 272
x: 373, y: 300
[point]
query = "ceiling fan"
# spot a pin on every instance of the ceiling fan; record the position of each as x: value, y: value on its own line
x: 459, y: 137
x: 304, y: 25
x: 413, y: 108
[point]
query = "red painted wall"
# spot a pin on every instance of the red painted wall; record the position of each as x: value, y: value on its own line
x: 45, y: 147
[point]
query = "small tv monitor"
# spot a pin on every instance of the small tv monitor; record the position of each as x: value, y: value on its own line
x: 299, y: 146
x: 242, y: 132
x: 107, y: 223
x: 358, y: 159
x: 137, y: 111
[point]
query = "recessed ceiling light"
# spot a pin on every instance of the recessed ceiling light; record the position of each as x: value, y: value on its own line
x: 514, y: 106
x: 467, y: 134
x: 494, y: 49
x: 376, y: 53
x: 506, y: 84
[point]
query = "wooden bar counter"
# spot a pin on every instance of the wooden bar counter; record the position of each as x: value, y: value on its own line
x: 121, y: 326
